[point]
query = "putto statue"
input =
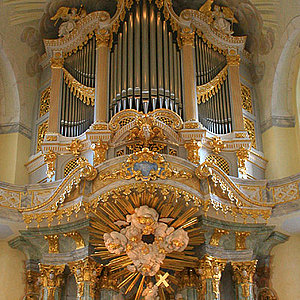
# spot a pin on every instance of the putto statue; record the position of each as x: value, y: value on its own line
x: 151, y: 292
x: 221, y: 17
x: 70, y: 16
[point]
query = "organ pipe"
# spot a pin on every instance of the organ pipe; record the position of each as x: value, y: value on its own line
x: 148, y: 59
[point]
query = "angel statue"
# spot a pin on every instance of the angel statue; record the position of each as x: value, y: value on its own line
x: 223, y: 19
x: 151, y: 292
x: 70, y: 16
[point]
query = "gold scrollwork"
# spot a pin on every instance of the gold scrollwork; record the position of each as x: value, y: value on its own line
x: 49, y: 159
x: 99, y: 149
x: 217, y: 145
x: 246, y: 98
x: 75, y: 147
x: 250, y: 127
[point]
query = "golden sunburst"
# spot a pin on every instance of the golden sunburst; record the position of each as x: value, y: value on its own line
x: 107, y: 218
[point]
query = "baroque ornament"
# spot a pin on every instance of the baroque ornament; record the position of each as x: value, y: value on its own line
x: 146, y: 239
x: 143, y: 244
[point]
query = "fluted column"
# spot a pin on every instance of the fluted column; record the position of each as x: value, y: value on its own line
x: 57, y: 62
x: 85, y: 272
x: 51, y: 279
x: 101, y: 90
x: 243, y: 273
x: 233, y: 62
x: 189, y: 74
x: 210, y: 271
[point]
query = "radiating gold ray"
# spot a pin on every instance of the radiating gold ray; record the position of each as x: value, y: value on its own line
x: 166, y: 210
x: 126, y: 280
x: 140, y: 289
x: 189, y: 223
x: 106, y: 210
x: 106, y: 220
x: 182, y: 219
x: 132, y: 284
x: 120, y: 274
x: 134, y: 199
x: 121, y: 208
x: 127, y: 203
x: 121, y: 266
x: 182, y: 257
x: 178, y: 208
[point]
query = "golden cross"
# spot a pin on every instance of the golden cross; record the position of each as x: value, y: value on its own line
x: 162, y: 279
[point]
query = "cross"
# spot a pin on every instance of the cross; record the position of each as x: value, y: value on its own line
x: 162, y: 279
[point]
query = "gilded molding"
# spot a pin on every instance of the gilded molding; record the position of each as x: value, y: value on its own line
x: 215, y: 238
x: 240, y: 240
x: 186, y: 37
x: 77, y: 238
x: 53, y: 243
x: 193, y: 148
x: 243, y: 273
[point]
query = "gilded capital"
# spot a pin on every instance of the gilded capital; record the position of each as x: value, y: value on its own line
x: 85, y: 271
x: 193, y: 148
x: 53, y: 243
x: 77, y: 238
x: 215, y: 238
x: 233, y: 60
x: 186, y: 37
x: 32, y: 284
x: 240, y: 240
x: 57, y: 62
x: 243, y: 273
x: 51, y: 278
x: 211, y: 268
x: 104, y: 38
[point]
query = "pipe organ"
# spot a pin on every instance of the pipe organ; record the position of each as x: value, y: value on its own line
x: 145, y: 63
x: 77, y: 90
x: 214, y: 105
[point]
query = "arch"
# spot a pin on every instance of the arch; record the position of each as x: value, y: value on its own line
x: 286, y: 72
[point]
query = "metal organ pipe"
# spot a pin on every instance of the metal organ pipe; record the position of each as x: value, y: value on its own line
x: 148, y: 59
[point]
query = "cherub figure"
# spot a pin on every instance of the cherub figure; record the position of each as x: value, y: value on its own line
x: 151, y: 292
x: 223, y: 19
x: 70, y: 16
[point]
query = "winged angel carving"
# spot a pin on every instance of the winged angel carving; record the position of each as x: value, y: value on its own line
x: 221, y: 17
x: 69, y: 16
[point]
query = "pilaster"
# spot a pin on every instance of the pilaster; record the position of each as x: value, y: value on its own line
x: 57, y: 62
x: 233, y: 62
x: 210, y: 271
x: 101, y: 90
x: 243, y: 273
x: 189, y: 74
